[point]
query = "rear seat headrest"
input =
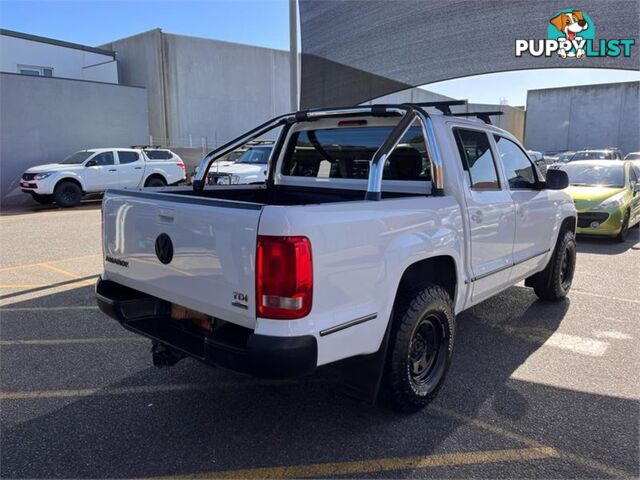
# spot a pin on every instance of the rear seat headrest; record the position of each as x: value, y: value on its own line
x: 405, y: 163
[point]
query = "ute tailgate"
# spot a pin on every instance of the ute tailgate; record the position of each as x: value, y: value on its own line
x: 192, y: 251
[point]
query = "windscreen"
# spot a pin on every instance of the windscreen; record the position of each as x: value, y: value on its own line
x: 595, y: 176
x: 346, y: 153
x: 255, y: 155
x: 77, y: 158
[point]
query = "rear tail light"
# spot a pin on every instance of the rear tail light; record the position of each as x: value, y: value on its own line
x: 181, y: 165
x: 284, y: 277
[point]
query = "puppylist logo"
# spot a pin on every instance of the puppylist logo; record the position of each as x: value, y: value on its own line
x: 571, y: 34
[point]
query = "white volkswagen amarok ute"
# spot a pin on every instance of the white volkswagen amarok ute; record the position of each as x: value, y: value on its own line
x: 375, y: 227
x: 97, y: 169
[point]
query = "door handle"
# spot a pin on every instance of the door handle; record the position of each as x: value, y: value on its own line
x: 477, y: 216
x: 138, y: 168
x: 166, y: 215
x: 112, y: 170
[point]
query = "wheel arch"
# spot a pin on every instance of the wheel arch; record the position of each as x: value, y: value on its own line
x: 439, y: 270
x: 155, y: 174
x: 75, y: 180
x: 568, y: 223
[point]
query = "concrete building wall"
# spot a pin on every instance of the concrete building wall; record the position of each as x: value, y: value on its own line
x: 219, y: 89
x: 42, y: 120
x: 66, y: 62
x: 572, y: 118
x: 141, y: 65
x: 200, y: 88
x: 512, y: 119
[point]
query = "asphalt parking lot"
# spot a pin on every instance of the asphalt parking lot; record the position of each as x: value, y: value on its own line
x: 536, y: 390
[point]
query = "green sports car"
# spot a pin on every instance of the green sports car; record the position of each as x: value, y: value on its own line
x: 607, y: 196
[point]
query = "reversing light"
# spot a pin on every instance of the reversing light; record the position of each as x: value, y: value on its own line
x: 284, y: 277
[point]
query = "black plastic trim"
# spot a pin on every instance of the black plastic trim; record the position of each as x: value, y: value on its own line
x: 241, y: 350
x: 188, y: 199
x: 275, y: 154
x: 351, y: 323
x: 501, y: 269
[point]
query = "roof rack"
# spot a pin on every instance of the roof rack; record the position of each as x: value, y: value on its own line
x: 146, y: 146
x: 484, y: 116
x: 444, y: 105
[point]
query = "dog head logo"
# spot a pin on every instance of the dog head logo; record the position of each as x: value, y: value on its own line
x: 570, y: 23
x: 571, y: 28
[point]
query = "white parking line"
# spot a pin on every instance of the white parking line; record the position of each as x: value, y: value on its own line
x: 608, y: 297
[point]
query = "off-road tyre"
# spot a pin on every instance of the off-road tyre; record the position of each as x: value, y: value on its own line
x: 422, y: 335
x: 155, y: 181
x: 67, y: 194
x: 554, y: 282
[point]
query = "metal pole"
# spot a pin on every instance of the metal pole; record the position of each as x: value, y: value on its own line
x: 293, y: 54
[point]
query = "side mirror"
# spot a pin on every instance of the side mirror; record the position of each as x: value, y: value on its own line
x: 91, y: 163
x: 557, y: 179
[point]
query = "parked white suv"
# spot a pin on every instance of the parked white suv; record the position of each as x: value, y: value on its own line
x: 248, y: 168
x: 375, y: 227
x: 98, y: 169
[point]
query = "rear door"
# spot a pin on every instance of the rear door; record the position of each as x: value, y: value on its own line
x: 130, y: 168
x: 535, y: 210
x: 491, y: 213
x: 192, y: 251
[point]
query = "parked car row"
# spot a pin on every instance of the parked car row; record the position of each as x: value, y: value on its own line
x: 95, y: 170
x: 607, y: 153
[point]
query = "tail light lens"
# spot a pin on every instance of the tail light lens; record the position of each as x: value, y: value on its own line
x: 284, y: 277
x: 181, y: 165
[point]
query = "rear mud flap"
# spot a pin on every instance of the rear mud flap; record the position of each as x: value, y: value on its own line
x: 361, y: 376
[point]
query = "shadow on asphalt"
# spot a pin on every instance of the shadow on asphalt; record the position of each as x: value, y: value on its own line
x: 88, y: 204
x: 609, y: 246
x: 247, y: 425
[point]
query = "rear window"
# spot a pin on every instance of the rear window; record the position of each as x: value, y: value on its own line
x: 346, y: 153
x: 159, y: 154
x: 127, y: 157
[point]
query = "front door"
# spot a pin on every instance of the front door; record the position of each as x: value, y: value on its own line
x: 535, y: 209
x: 102, y: 173
x: 491, y: 214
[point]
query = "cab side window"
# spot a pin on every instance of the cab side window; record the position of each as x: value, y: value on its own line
x: 127, y: 157
x: 520, y: 172
x: 105, y: 158
x: 477, y: 159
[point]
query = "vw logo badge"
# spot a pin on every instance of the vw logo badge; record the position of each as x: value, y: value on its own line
x: 164, y: 248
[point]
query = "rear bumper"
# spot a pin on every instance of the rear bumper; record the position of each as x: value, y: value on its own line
x: 229, y: 346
